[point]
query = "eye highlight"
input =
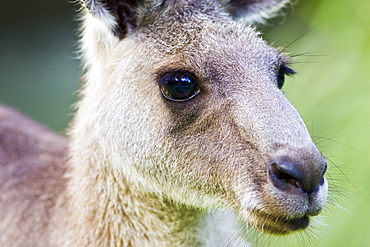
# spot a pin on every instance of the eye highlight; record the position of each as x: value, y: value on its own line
x: 283, y: 71
x: 179, y: 85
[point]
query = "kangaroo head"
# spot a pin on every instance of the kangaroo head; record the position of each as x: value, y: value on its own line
x: 183, y: 100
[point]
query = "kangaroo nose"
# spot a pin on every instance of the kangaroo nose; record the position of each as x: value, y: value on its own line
x: 293, y: 176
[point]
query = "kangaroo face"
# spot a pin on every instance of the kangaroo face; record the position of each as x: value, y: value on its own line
x: 189, y: 107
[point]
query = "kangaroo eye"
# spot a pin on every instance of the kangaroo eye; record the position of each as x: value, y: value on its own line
x: 179, y: 85
x: 284, y: 70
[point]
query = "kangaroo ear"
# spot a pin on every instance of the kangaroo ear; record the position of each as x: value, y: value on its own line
x: 119, y: 15
x: 253, y: 11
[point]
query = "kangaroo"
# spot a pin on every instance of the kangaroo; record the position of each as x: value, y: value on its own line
x: 181, y: 136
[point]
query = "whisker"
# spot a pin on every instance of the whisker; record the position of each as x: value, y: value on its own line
x: 296, y: 39
x: 335, y: 141
x: 343, y: 174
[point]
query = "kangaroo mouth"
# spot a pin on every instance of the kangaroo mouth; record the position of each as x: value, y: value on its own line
x: 278, y: 225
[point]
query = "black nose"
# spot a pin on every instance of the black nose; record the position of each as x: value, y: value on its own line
x: 292, y: 176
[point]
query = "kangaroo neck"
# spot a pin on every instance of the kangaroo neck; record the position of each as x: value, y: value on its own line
x: 107, y: 211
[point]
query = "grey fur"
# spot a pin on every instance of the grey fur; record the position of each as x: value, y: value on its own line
x: 140, y: 169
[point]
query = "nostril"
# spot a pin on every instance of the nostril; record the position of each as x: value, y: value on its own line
x: 289, y: 176
x: 324, y: 169
x: 284, y: 175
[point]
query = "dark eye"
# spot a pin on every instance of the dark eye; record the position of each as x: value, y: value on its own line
x: 179, y: 85
x: 284, y: 70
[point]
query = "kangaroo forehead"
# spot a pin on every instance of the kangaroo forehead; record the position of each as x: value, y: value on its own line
x: 231, y: 41
x: 175, y: 28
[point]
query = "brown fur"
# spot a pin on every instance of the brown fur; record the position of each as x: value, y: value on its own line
x: 142, y: 170
x: 31, y: 178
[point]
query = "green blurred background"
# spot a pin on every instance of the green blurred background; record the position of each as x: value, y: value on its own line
x: 330, y: 45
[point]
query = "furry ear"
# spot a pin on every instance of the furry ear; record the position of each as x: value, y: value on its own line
x: 253, y: 11
x: 119, y: 15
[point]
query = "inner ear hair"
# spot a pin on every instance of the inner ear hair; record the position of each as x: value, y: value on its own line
x: 125, y: 14
x: 118, y: 15
x: 255, y: 11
